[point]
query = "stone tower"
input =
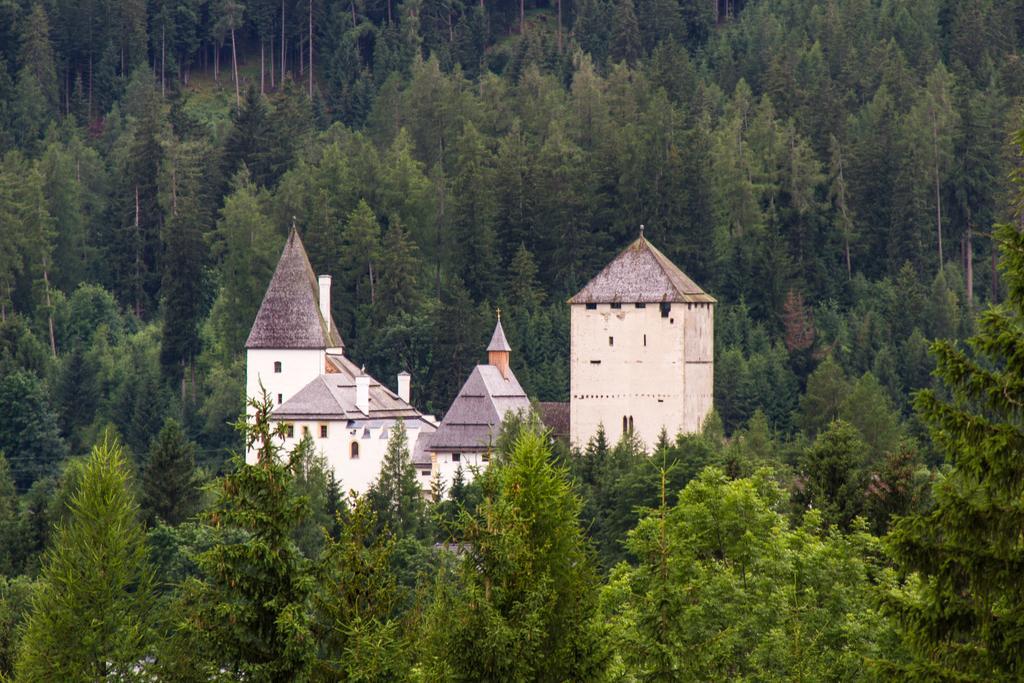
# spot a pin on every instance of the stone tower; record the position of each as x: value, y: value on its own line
x: 642, y: 350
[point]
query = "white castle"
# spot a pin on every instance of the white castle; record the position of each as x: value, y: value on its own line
x: 642, y: 352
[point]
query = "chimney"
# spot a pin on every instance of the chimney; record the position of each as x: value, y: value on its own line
x: 325, y: 297
x: 404, y: 386
x: 363, y: 393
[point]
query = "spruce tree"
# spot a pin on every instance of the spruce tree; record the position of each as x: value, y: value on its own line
x: 29, y: 435
x: 624, y: 42
x: 92, y: 615
x: 396, y: 495
x: 170, y: 490
x: 963, y: 611
x: 526, y: 585
x: 245, y: 615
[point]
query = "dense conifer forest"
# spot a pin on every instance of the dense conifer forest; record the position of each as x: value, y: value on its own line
x: 842, y: 175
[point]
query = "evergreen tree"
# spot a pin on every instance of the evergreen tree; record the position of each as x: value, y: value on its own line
x: 396, y: 497
x: 8, y: 521
x: 625, y: 41
x: 248, y: 139
x: 526, y: 584
x: 355, y: 605
x: 962, y: 611
x: 834, y: 472
x: 29, y: 435
x: 170, y: 491
x: 92, y: 617
x: 245, y: 614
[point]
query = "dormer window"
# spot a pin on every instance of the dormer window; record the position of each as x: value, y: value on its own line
x: 666, y: 308
x: 277, y: 367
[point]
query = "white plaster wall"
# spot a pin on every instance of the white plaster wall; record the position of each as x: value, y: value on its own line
x: 643, y: 373
x: 352, y: 474
x: 299, y: 367
x: 444, y: 468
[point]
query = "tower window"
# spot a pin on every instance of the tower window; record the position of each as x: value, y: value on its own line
x: 645, y: 340
x: 666, y: 307
x: 591, y: 307
x: 630, y: 424
x: 616, y: 305
x: 611, y: 341
x: 279, y: 399
x: 323, y: 431
x: 277, y: 366
x: 595, y: 362
x: 353, y: 450
x: 625, y: 425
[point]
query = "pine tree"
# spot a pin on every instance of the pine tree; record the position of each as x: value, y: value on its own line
x: 246, y: 143
x: 359, y: 260
x: 355, y: 605
x: 526, y: 583
x: 169, y: 487
x: 962, y: 615
x: 245, y: 615
x: 8, y: 521
x: 29, y: 436
x: 474, y: 253
x: 37, y: 56
x: 834, y: 471
x: 624, y: 43
x: 92, y: 617
x: 396, y: 496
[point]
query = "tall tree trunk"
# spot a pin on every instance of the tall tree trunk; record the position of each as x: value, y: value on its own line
x: 234, y: 65
x: 969, y: 261
x: 559, y: 26
x: 90, y: 86
x: 938, y: 195
x: 273, y: 69
x: 283, y: 63
x: 49, y: 309
x: 311, y: 48
x: 389, y: 11
x: 138, y: 259
x: 263, y: 70
x: 216, y: 63
x: 522, y: 17
x: 994, y: 284
x: 163, y: 61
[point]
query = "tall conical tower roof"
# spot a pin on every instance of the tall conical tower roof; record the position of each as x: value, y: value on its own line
x: 289, y: 317
x: 498, y: 340
x: 641, y: 274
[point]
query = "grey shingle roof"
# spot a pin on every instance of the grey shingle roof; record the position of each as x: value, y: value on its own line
x: 641, y: 274
x: 555, y: 417
x: 498, y: 340
x: 472, y: 421
x: 333, y: 396
x: 289, y: 317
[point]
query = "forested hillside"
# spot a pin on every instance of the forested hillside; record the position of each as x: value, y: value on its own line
x: 831, y: 171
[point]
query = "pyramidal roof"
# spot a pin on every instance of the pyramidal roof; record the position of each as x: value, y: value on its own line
x: 289, y: 317
x: 498, y: 340
x: 474, y: 418
x: 641, y: 274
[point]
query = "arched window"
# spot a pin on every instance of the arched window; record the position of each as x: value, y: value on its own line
x: 625, y: 425
x: 630, y: 424
x: 354, y: 450
x: 277, y: 366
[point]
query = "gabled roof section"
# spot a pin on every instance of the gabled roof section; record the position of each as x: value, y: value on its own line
x: 332, y: 396
x: 498, y: 340
x: 289, y: 317
x: 472, y: 422
x: 641, y: 274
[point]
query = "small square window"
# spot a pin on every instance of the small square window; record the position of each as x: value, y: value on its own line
x: 595, y: 362
x: 424, y: 473
x: 611, y: 341
x: 640, y: 305
x: 291, y: 431
x: 616, y: 305
x: 277, y: 366
x: 323, y: 431
x: 456, y: 457
x: 591, y: 307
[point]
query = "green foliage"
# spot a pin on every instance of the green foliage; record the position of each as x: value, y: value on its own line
x: 961, y: 608
x: 29, y: 436
x: 92, y: 612
x: 523, y: 603
x: 170, y: 489
x: 396, y: 497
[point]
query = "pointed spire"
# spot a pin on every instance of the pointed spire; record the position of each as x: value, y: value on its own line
x: 641, y: 231
x: 498, y: 340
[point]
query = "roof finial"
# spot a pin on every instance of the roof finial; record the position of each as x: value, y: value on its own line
x: 499, y: 314
x: 641, y: 229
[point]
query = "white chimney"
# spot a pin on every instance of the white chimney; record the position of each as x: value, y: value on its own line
x: 404, y: 386
x: 363, y: 393
x: 325, y: 297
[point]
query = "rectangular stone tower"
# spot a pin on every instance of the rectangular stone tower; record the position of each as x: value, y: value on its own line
x: 642, y: 350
